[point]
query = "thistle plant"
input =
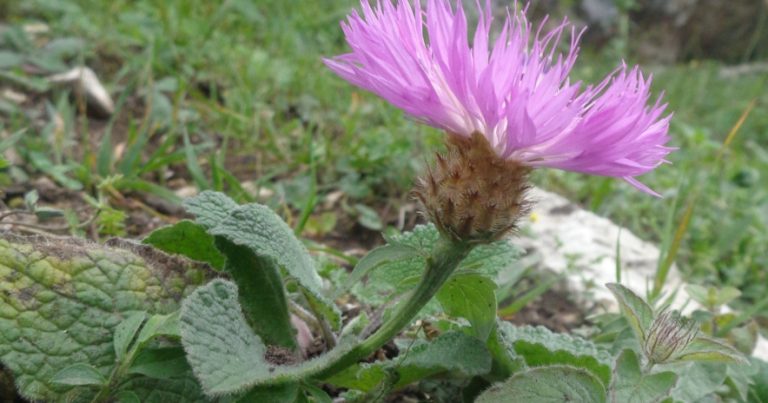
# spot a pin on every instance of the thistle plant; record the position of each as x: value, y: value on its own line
x: 128, y: 322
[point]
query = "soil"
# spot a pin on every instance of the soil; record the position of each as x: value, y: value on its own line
x: 7, y: 388
x: 552, y: 310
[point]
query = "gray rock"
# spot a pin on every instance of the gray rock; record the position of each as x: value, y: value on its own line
x: 573, y: 240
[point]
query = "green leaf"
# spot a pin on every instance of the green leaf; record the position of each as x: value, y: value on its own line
x: 259, y: 229
x: 47, y: 213
x: 10, y: 59
x: 159, y: 325
x: 160, y: 363
x: 225, y: 354
x: 553, y: 384
x: 287, y: 393
x: 10, y: 141
x: 473, y: 297
x: 143, y: 186
x: 58, y: 172
x: 188, y: 239
x: 128, y: 396
x: 192, y: 163
x: 80, y: 374
x: 263, y: 298
x: 539, y: 346
x: 30, y: 199
x: 210, y: 208
x: 638, y: 313
x: 738, y: 379
x: 28, y: 83
x: 393, y: 277
x: 125, y: 332
x: 65, y: 47
x: 150, y: 390
x: 704, y: 348
x: 368, y: 217
x: 318, y: 395
x: 220, y: 346
x: 454, y: 353
x: 62, y: 300
x: 105, y: 155
x: 630, y: 385
x: 698, y: 380
x: 760, y: 380
x: 505, y: 360
x: 712, y: 297
x: 376, y: 258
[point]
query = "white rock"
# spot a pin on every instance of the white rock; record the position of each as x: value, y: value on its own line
x: 570, y: 239
x: 83, y: 80
x: 13, y: 96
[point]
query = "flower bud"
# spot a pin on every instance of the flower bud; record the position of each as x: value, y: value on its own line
x: 670, y: 333
x: 472, y: 194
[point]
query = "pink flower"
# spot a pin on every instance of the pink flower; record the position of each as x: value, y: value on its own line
x: 514, y: 91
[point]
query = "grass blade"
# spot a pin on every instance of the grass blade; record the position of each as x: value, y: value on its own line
x: 663, y: 270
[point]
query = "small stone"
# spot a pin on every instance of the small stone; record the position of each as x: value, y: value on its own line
x: 84, y: 81
x: 13, y: 96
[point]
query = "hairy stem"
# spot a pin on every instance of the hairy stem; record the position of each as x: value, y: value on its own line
x: 443, y: 260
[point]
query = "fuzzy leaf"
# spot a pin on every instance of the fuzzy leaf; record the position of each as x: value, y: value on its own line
x: 375, y: 258
x: 473, y: 297
x: 552, y: 384
x: 703, y: 348
x: 159, y: 325
x: 210, y: 208
x: 699, y: 381
x: 760, y: 380
x: 128, y: 396
x: 263, y: 298
x: 638, y: 313
x: 188, y: 239
x: 712, y: 297
x: 149, y: 390
x: 630, y: 385
x: 219, y: 344
x: 259, y: 229
x: 61, y: 301
x: 225, y: 354
x: 450, y: 354
x: 539, y: 346
x: 393, y: 277
x: 125, y: 332
x: 738, y: 378
x: 286, y: 393
x: 160, y: 363
x: 79, y: 375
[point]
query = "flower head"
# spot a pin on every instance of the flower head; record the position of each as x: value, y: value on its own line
x: 513, y: 90
x: 669, y: 335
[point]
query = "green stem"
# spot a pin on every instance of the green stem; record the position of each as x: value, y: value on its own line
x: 648, y: 367
x: 444, y: 259
x: 117, y: 375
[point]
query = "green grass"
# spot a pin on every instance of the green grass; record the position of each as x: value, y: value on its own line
x: 244, y: 80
